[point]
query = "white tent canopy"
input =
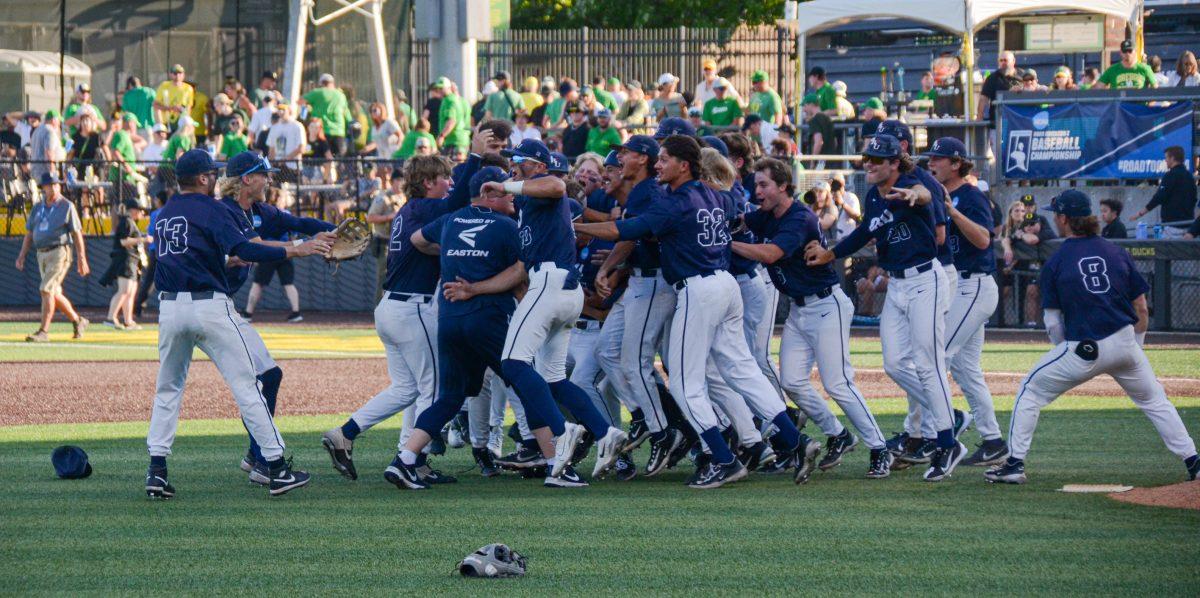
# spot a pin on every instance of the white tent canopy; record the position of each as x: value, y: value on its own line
x: 956, y: 16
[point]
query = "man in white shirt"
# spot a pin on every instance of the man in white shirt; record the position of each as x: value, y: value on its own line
x: 261, y: 121
x: 704, y: 89
x: 155, y: 146
x: 849, y: 210
x: 285, y: 141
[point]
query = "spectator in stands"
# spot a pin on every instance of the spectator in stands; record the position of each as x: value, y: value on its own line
x: 1154, y: 61
x: 242, y: 102
x: 618, y: 92
x: 1024, y: 231
x: 634, y: 111
x: 266, y: 89
x: 523, y: 130
x: 406, y: 117
x: 1110, y: 215
x: 454, y: 117
x: 1063, y: 79
x: 927, y: 91
x: 87, y: 147
x: 752, y: 129
x: 260, y: 124
x: 821, y: 137
x: 1029, y: 82
x: 1176, y: 194
x: 530, y: 96
x: 45, y: 146
x: 819, y: 199
x: 1130, y: 73
x: 1088, y: 79
x: 147, y: 279
x: 234, y: 140
x: 826, y: 96
x: 721, y: 111
x: 668, y: 102
x: 765, y: 101
x: 182, y: 140
x: 138, y: 100
x: 380, y: 215
x: 127, y: 256
x: 696, y: 117
x: 603, y: 137
x: 81, y: 104
x: 329, y: 104
x: 555, y: 113
x: 424, y: 147
x: 849, y: 210
x: 506, y: 102
x: 52, y: 226
x: 1185, y: 73
x: 124, y: 145
x: 385, y: 133
x: 706, y: 89
x: 200, y: 114
x: 224, y: 111
x: 433, y: 104
x: 285, y: 144
x: 10, y: 140
x: 604, y: 97
x: 1005, y: 77
x: 408, y: 146
x: 872, y: 114
x: 25, y: 128
x: 575, y: 136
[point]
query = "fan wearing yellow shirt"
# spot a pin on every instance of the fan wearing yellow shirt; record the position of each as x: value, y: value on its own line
x: 173, y: 98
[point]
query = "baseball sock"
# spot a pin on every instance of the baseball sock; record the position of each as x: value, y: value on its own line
x: 270, y: 380
x: 408, y: 457
x: 1190, y: 461
x: 720, y: 451
x: 531, y: 444
x: 787, y: 431
x: 945, y: 438
x: 277, y: 464
x: 577, y: 402
x: 158, y: 462
x: 350, y: 429
x: 637, y: 415
x: 534, y: 393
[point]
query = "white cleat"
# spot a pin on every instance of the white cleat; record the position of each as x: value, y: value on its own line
x: 608, y: 449
x: 564, y: 447
x: 496, y: 441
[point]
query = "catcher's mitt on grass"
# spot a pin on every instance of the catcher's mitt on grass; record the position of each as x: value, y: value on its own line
x: 352, y: 239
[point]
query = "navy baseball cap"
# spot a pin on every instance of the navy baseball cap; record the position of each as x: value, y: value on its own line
x: 883, y: 146
x: 947, y: 147
x: 71, y: 463
x: 896, y: 129
x: 487, y: 174
x: 674, y: 126
x: 194, y: 162
x: 49, y: 178
x: 531, y: 149
x: 248, y: 162
x: 641, y: 144
x: 715, y: 142
x: 1071, y: 203
x: 611, y: 159
x: 870, y: 129
x: 559, y: 164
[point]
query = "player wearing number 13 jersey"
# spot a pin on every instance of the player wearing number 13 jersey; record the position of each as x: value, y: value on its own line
x: 1096, y: 314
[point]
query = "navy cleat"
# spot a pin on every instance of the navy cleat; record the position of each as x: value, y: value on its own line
x: 260, y: 474
x: 836, y: 447
x: 1193, y: 470
x: 404, y: 476
x: 284, y: 479
x: 919, y: 454
x: 522, y: 458
x: 1008, y: 473
x: 806, y: 458
x: 157, y: 485
x: 625, y: 467
x: 962, y: 421
x: 989, y: 452
x: 661, y: 451
x: 944, y: 461
x: 432, y: 476
x: 583, y: 448
x: 756, y: 455
x: 881, y: 464
x: 638, y: 433
x: 486, y: 462
x: 716, y: 475
x: 566, y: 479
x: 340, y: 451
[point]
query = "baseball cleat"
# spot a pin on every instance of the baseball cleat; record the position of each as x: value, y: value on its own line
x: 919, y: 454
x: 716, y: 475
x: 681, y: 451
x: 533, y: 473
x: 1193, y: 469
x: 457, y: 432
x: 607, y: 450
x: 247, y: 464
x: 1008, y: 473
x: 944, y: 461
x: 295, y: 317
x: 836, y: 447
x: 638, y: 433
x: 495, y: 442
x: 514, y: 433
x: 260, y: 474
x: 340, y: 451
x: 806, y: 458
x: 284, y: 479
x: 962, y: 421
x: 881, y: 464
x: 522, y: 458
x: 702, y: 462
x: 661, y: 450
x: 431, y: 476
x: 564, y: 447
x: 437, y: 444
x: 157, y: 485
x: 586, y: 442
x: 781, y: 464
x: 990, y: 452
x: 566, y: 479
x: 752, y: 457
x: 404, y: 476
x: 625, y: 467
x: 485, y: 461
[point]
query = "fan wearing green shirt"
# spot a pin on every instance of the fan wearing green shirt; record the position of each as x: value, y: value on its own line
x: 454, y: 121
x: 826, y: 95
x: 765, y: 101
x: 1127, y: 74
x: 722, y: 111
x: 138, y: 100
x: 603, y: 137
x: 506, y: 102
x: 233, y: 141
x: 408, y: 146
x: 568, y: 93
x: 329, y: 104
x: 927, y: 91
x: 124, y: 154
x: 82, y: 104
x: 603, y: 97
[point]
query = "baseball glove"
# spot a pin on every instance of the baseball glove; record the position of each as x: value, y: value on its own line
x: 352, y: 239
x: 493, y: 560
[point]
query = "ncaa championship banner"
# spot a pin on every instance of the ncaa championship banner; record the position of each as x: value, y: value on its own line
x: 1114, y: 140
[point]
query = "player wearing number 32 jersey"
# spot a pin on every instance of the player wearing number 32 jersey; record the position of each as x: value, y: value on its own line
x: 1095, y: 311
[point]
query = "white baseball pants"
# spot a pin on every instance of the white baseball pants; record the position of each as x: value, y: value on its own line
x: 586, y: 372
x: 648, y: 303
x: 541, y: 325
x: 972, y: 306
x: 760, y: 299
x: 913, y: 325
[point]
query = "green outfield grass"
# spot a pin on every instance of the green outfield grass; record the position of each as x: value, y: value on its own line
x: 840, y: 533
x: 105, y: 344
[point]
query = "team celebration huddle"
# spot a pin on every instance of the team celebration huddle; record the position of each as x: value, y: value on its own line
x: 656, y: 296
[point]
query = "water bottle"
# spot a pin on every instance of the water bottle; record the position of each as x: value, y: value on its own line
x: 1141, y: 231
x: 1158, y: 231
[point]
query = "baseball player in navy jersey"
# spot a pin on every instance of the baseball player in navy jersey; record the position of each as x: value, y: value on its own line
x: 975, y: 296
x: 898, y: 217
x: 243, y: 191
x: 818, y: 326
x: 1096, y: 314
x: 541, y: 326
x: 195, y: 236
x: 689, y: 220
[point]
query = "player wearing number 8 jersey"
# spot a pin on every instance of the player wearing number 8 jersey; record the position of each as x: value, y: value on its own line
x: 1095, y: 311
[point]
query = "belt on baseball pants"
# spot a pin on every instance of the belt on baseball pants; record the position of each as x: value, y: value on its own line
x: 965, y: 275
x: 542, y: 266
x: 200, y: 296
x: 410, y: 296
x: 910, y: 272
x: 645, y: 272
x: 805, y: 300
x: 583, y: 324
x: 683, y: 283
x: 747, y: 276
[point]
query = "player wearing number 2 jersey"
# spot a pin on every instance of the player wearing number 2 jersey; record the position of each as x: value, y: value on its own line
x: 1095, y: 311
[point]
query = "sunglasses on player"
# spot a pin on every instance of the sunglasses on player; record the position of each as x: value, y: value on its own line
x: 523, y: 159
x: 876, y: 160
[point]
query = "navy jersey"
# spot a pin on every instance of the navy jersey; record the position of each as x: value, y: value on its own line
x: 738, y: 264
x: 973, y: 204
x: 692, y: 227
x: 601, y: 201
x: 546, y: 232
x: 1094, y: 283
x: 945, y: 254
x: 194, y: 234
x: 645, y: 253
x: 408, y: 270
x: 749, y: 189
x: 477, y: 244
x: 904, y: 235
x: 792, y: 233
x: 268, y: 223
x: 587, y: 270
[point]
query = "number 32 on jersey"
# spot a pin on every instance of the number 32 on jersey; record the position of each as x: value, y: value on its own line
x: 713, y: 228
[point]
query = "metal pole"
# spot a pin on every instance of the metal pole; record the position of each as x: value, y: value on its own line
x: 237, y: 41
x: 62, y: 54
x: 294, y: 60
x: 682, y: 59
x: 779, y: 63
x: 587, y: 76
x: 379, y: 59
